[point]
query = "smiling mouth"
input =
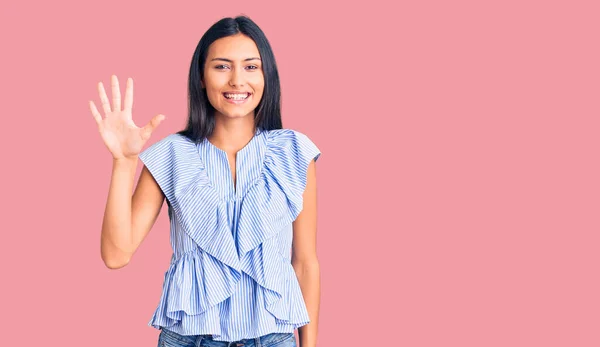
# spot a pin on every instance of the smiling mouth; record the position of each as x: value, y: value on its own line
x: 236, y: 96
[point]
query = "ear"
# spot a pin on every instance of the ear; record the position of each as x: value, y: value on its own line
x: 202, y: 84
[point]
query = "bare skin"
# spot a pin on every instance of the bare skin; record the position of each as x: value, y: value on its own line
x: 304, y: 258
x: 127, y: 219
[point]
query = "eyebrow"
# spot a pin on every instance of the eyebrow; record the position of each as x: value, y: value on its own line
x: 231, y: 61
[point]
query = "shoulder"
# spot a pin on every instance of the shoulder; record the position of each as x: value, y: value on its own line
x: 292, y: 144
x: 293, y: 140
x: 172, y: 161
x: 172, y: 140
x: 282, y: 135
x: 168, y: 145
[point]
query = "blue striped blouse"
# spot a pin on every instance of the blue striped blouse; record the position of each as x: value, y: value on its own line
x: 230, y: 274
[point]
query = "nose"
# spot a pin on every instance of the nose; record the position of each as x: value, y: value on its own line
x: 237, y: 78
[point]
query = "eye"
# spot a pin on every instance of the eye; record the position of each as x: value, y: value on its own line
x: 253, y: 67
x: 218, y: 67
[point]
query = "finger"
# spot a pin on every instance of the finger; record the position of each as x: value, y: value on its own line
x: 155, y: 121
x: 95, y: 113
x: 129, y: 95
x: 103, y: 98
x: 116, y: 93
x: 151, y: 126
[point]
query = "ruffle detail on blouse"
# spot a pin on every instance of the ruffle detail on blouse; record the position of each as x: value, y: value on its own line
x: 193, y: 284
x: 175, y: 164
x: 271, y: 204
x: 200, y: 280
x: 277, y: 279
x: 276, y: 199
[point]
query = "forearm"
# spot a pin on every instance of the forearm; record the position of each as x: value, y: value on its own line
x: 309, y: 278
x: 116, y: 238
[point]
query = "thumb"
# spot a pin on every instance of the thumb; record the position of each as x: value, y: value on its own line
x: 151, y: 126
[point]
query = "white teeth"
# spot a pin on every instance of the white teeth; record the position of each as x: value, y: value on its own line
x: 236, y: 96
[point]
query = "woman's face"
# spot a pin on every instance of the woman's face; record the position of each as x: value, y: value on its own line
x: 233, y: 76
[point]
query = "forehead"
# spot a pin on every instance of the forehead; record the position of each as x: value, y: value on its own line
x: 236, y: 47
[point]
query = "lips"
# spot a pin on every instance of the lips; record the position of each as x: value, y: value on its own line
x: 236, y: 95
x: 237, y: 100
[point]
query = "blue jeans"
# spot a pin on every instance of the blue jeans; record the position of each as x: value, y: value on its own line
x: 168, y: 338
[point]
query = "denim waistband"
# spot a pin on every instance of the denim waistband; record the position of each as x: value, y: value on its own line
x: 208, y: 341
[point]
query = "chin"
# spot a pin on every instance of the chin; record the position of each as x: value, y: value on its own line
x: 236, y: 114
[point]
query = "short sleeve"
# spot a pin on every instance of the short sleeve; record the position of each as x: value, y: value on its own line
x: 306, y: 148
x: 158, y: 158
x: 289, y: 153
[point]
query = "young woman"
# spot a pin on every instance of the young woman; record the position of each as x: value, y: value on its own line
x: 241, y: 196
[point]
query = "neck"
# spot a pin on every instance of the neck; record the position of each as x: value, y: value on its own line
x: 232, y: 134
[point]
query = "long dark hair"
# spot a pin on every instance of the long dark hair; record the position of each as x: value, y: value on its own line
x: 267, y: 116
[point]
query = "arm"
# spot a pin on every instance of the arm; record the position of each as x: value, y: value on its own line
x: 127, y: 218
x: 304, y: 258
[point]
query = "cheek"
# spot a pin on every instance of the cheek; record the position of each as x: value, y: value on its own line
x: 257, y: 82
x: 259, y: 93
x: 213, y: 96
x: 214, y: 81
x: 258, y: 89
x: 259, y: 96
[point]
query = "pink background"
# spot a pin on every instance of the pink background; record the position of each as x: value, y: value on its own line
x: 458, y: 188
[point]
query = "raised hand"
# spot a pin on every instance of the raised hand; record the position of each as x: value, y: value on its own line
x: 120, y: 134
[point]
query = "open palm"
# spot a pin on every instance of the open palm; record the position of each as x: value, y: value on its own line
x: 121, y: 136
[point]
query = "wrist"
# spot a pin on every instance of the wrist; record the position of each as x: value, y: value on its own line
x: 126, y: 161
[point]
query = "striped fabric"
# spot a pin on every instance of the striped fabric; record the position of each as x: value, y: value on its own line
x: 230, y: 275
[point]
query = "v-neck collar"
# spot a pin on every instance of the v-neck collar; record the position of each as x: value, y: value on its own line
x: 216, y: 162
